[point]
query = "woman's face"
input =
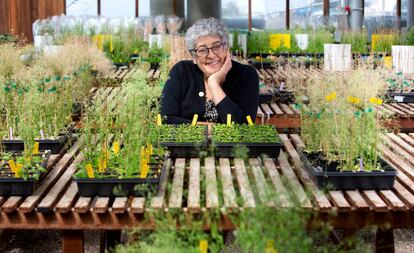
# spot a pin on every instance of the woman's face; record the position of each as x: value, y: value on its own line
x: 210, y: 54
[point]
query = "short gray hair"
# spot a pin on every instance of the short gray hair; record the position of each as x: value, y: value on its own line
x: 204, y: 27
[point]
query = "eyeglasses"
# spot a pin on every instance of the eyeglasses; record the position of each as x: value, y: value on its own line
x: 203, y: 51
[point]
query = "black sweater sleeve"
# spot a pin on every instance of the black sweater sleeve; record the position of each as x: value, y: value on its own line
x: 247, y: 99
x: 171, y: 98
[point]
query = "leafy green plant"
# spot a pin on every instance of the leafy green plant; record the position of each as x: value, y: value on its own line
x: 410, y: 36
x: 182, y: 133
x: 239, y: 133
x: 358, y: 41
x: 258, y: 42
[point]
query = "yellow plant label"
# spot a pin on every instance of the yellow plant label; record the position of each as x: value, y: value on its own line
x: 229, y: 119
x: 150, y: 148
x: 36, y: 148
x: 249, y: 120
x: 374, y: 100
x: 144, y: 165
x: 377, y: 38
x: 353, y: 100
x: 159, y: 122
x: 195, y: 118
x: 388, y: 62
x: 279, y: 40
x: 89, y: 170
x: 12, y: 165
x: 269, y: 247
x: 203, y: 246
x: 100, y: 39
x: 115, y: 148
x: 102, y: 164
x: 18, y: 171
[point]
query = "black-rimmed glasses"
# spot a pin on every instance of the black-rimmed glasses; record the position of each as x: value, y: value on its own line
x: 203, y: 51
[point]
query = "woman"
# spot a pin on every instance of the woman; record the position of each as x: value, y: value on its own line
x: 212, y: 85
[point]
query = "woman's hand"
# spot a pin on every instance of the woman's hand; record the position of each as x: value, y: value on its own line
x: 219, y: 77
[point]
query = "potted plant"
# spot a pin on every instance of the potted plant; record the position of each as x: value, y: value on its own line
x: 341, y: 127
x: 229, y: 140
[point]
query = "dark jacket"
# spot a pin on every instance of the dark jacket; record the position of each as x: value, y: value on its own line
x: 181, y: 98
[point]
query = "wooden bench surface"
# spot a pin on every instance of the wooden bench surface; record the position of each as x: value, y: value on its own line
x: 197, y: 185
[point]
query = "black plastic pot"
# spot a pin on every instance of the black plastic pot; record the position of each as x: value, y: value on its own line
x: 327, y: 176
x: 265, y: 97
x: 400, y: 97
x: 121, y: 64
x: 112, y: 187
x: 11, y: 186
x: 277, y: 96
x: 261, y: 65
x: 229, y: 150
x: 154, y: 65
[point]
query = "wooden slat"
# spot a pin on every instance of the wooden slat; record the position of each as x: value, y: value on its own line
x: 395, y: 110
x: 11, y: 204
x: 120, y: 205
x: 286, y: 109
x: 101, y: 205
x: 401, y: 164
x: 406, y: 196
x: 82, y: 205
x: 403, y: 154
x: 392, y: 200
x: 339, y: 200
x: 296, y: 186
x: 229, y: 194
x: 243, y: 183
x: 401, y: 143
x: 294, y: 109
x: 406, y: 138
x: 194, y: 186
x: 138, y: 205
x: 276, y: 109
x: 297, y: 141
x: 48, y: 202
x: 30, y: 202
x: 355, y: 198
x: 68, y: 199
x: 375, y: 200
x: 209, y: 172
x: 176, y: 196
x: 158, y: 200
x: 265, y: 108
x: 281, y: 195
x: 263, y: 191
x: 320, y: 198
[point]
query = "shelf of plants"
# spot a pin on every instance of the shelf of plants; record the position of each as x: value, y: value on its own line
x: 341, y: 127
x: 120, y: 159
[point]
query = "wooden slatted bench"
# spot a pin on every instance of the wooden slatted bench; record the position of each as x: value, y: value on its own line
x: 228, y: 185
x: 282, y: 116
x: 403, y: 115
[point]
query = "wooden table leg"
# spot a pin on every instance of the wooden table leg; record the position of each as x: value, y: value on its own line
x: 384, y: 242
x: 72, y: 241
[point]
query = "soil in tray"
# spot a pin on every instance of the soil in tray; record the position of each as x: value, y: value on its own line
x: 110, y: 185
x: 326, y: 174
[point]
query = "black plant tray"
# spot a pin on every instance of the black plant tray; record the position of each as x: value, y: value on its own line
x: 229, y: 150
x: 401, y: 97
x: 260, y: 64
x: 277, y: 96
x: 13, y: 186
x: 327, y: 176
x: 54, y: 145
x: 113, y: 187
x: 185, y: 150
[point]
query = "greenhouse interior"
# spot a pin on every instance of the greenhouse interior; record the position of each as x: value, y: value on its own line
x: 207, y: 126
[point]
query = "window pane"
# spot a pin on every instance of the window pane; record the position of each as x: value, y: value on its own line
x: 380, y: 13
x: 144, y: 8
x: 269, y: 14
x: 404, y: 12
x: 305, y: 13
x: 120, y: 8
x: 81, y: 7
x: 234, y: 13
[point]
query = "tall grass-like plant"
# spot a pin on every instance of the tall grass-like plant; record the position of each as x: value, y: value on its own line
x: 358, y: 41
x: 342, y: 119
